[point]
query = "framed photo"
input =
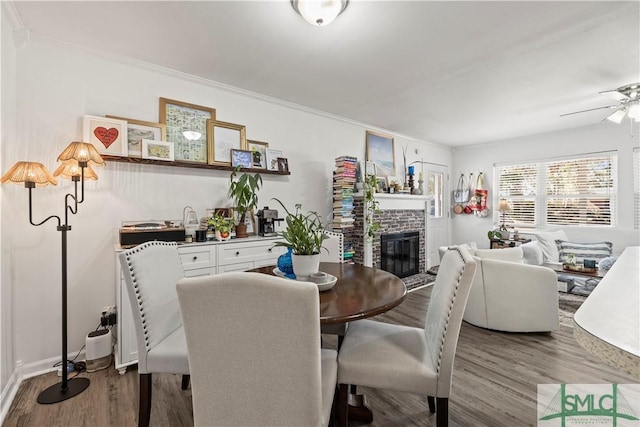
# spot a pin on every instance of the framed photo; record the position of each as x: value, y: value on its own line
x: 241, y: 158
x: 382, y: 184
x: 137, y: 130
x: 272, y: 158
x: 225, y: 212
x: 109, y: 136
x: 380, y: 151
x: 393, y: 180
x: 186, y: 127
x: 283, y: 164
x: 258, y: 153
x: 157, y: 150
x: 222, y: 137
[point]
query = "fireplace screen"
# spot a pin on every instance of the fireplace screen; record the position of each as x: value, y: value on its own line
x: 400, y: 253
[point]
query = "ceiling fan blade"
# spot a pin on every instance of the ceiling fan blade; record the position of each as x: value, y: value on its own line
x: 614, y: 94
x: 616, y: 116
x: 590, y: 109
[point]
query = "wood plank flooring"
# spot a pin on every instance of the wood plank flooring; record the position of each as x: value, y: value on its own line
x: 495, y: 379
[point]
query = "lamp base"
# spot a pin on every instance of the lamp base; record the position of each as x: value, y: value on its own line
x: 55, y: 394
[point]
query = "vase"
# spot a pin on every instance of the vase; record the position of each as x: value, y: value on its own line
x: 285, y: 265
x: 305, y: 265
x: 223, y: 236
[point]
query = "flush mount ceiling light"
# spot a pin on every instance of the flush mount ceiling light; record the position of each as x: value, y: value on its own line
x: 319, y: 12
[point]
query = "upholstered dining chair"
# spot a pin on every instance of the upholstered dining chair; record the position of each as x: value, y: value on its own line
x: 151, y: 271
x: 254, y: 351
x: 334, y: 246
x: 409, y: 359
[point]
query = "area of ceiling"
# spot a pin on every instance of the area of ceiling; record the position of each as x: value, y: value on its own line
x: 449, y: 72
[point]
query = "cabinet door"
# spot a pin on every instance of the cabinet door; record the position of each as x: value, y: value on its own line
x: 251, y: 251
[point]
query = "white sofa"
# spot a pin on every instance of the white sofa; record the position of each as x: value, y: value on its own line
x: 509, y: 295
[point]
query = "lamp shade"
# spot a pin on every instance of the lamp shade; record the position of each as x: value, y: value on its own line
x: 319, y: 12
x: 70, y: 168
x: 29, y: 173
x: 504, y: 206
x: 81, y: 152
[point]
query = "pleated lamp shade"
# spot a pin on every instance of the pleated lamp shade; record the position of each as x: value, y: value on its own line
x: 81, y: 152
x: 29, y: 173
x: 70, y: 168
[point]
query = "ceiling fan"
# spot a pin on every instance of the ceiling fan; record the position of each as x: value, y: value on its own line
x: 628, y: 97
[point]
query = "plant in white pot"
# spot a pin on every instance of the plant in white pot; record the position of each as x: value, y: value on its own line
x: 222, y: 225
x: 243, y: 191
x: 304, y: 234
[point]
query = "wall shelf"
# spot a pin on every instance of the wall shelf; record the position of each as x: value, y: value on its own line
x: 137, y: 160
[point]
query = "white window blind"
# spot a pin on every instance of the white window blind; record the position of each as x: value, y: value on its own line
x: 577, y: 191
x: 636, y: 187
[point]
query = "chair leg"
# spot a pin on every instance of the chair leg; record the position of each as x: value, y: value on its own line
x: 432, y: 404
x: 144, y: 401
x: 442, y: 412
x: 185, y: 381
x: 342, y: 410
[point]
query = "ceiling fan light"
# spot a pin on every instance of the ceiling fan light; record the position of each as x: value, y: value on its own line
x: 617, y: 116
x: 634, y: 111
x: 319, y: 12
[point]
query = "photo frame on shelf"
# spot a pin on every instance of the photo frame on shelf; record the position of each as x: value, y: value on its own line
x: 272, y: 158
x: 157, y: 150
x: 382, y: 184
x: 222, y: 137
x: 393, y: 180
x: 258, y: 153
x: 137, y: 130
x: 224, y: 212
x: 186, y: 127
x: 109, y: 136
x: 283, y: 164
x: 380, y: 151
x: 241, y: 158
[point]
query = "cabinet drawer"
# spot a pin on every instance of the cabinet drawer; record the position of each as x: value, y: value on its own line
x: 197, y: 257
x: 197, y: 272
x: 233, y: 253
x: 240, y: 266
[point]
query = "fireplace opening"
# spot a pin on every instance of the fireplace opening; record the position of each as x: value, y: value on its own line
x: 400, y: 253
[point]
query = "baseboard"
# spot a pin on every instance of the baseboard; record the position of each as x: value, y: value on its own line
x: 45, y: 366
x: 9, y: 392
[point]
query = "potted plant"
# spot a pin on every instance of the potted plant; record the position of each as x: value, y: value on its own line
x: 303, y: 235
x: 372, y: 206
x: 222, y: 225
x: 243, y: 191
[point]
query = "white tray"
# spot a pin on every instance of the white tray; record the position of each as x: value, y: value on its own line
x: 325, y: 286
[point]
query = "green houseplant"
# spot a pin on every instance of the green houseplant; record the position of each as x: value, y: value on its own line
x: 243, y: 191
x: 372, y: 206
x: 222, y: 225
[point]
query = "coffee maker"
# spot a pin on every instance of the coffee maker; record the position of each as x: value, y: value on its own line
x: 266, y: 221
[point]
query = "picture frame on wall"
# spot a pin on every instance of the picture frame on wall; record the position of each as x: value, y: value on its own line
x: 137, y: 130
x: 283, y: 164
x: 241, y: 158
x: 222, y: 138
x: 258, y: 153
x: 380, y: 150
x: 109, y: 136
x: 157, y: 150
x: 272, y: 158
x: 186, y: 128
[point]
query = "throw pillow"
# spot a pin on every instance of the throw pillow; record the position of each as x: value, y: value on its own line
x: 581, y: 251
x: 607, y: 263
x: 506, y: 254
x: 532, y: 253
x: 547, y: 241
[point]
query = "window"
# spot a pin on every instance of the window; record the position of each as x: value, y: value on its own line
x: 636, y: 187
x: 576, y: 191
x: 436, y: 191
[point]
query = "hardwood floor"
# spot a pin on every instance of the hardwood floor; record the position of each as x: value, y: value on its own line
x: 495, y: 379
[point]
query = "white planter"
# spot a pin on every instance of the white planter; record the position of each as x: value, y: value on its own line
x: 223, y: 239
x: 305, y: 265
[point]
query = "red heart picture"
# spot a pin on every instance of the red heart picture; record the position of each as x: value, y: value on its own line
x: 106, y: 136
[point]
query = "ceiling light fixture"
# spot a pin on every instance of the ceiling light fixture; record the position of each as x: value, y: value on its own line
x: 319, y: 12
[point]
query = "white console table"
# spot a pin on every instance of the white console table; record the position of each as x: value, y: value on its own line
x: 608, y: 322
x: 198, y: 259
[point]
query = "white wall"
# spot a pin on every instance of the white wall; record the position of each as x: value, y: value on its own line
x: 602, y: 136
x: 56, y: 86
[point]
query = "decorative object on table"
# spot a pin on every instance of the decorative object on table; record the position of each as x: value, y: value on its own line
x: 76, y: 162
x: 420, y: 189
x: 381, y: 185
x: 241, y: 158
x: 190, y: 222
x: 283, y: 164
x: 258, y: 153
x: 380, y: 151
x: 222, y: 226
x: 187, y: 128
x: 157, y: 150
x: 494, y: 235
x: 304, y: 234
x: 272, y: 158
x: 108, y: 136
x: 410, y: 182
x: 372, y: 207
x: 503, y: 208
x: 137, y: 130
x: 243, y: 191
x: 285, y: 264
x: 222, y: 137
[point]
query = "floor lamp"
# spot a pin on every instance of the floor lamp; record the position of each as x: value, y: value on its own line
x: 76, y: 160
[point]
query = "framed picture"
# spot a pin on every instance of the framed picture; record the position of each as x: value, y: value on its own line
x: 137, y: 130
x: 222, y: 138
x: 157, y: 150
x: 382, y: 184
x: 258, y: 153
x: 393, y: 180
x: 241, y: 158
x: 109, y: 136
x: 224, y: 212
x: 380, y: 151
x: 186, y: 127
x: 283, y: 164
x: 272, y: 158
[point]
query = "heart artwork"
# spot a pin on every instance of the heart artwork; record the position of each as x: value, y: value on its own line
x: 106, y: 136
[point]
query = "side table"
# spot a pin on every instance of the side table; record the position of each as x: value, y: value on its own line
x: 504, y: 243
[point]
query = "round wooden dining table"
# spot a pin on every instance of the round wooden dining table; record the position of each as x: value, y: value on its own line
x: 360, y: 292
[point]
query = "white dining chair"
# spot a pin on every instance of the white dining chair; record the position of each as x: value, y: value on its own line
x: 409, y: 359
x: 334, y: 246
x: 151, y: 271
x: 254, y: 351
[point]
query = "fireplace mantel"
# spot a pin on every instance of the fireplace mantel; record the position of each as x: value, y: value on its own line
x: 399, y: 201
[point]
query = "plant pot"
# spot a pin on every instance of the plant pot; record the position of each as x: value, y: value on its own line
x: 241, y: 231
x: 305, y: 265
x: 223, y: 236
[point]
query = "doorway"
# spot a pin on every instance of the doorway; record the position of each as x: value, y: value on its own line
x: 438, y: 215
